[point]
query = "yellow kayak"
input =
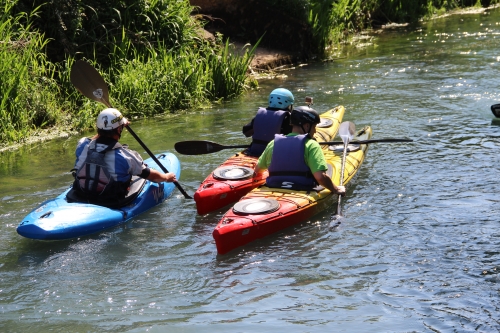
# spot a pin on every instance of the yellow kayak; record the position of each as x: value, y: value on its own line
x: 264, y: 210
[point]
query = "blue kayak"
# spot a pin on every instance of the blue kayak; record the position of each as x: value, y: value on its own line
x: 67, y: 216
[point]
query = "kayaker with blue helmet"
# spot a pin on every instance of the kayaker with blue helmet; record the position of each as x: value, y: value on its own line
x: 296, y: 161
x: 275, y: 119
x: 104, y: 167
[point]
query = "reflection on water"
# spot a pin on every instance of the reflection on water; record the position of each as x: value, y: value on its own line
x: 418, y: 249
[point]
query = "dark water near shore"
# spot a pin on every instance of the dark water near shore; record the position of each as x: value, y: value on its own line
x: 418, y: 250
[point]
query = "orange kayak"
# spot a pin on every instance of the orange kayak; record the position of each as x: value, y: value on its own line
x: 234, y: 178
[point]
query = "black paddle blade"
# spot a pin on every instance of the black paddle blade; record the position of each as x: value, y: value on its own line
x: 200, y: 147
x: 89, y: 82
x: 495, y: 108
x: 197, y: 147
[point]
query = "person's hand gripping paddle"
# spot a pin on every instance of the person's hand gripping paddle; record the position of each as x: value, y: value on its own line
x: 346, y: 133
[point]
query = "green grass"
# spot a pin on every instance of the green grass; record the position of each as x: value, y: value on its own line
x: 164, y: 82
x: 150, y: 54
x: 28, y: 89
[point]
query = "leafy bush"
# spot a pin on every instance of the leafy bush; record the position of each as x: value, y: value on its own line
x: 149, y: 52
x: 28, y: 90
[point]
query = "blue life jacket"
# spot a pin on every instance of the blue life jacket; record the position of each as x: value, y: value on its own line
x: 288, y: 168
x: 266, y: 124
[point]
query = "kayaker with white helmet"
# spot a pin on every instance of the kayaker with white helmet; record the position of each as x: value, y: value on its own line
x: 104, y: 167
x: 275, y: 119
x: 296, y: 161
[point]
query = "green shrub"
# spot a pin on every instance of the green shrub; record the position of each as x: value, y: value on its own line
x: 29, y: 92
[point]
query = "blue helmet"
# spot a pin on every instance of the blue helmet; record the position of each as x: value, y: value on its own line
x: 281, y: 98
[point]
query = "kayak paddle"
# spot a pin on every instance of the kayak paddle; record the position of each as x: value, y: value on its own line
x: 90, y: 83
x: 346, y: 132
x: 199, y: 147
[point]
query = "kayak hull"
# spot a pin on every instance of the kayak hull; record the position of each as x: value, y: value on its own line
x: 58, y: 219
x: 215, y: 193
x: 236, y: 229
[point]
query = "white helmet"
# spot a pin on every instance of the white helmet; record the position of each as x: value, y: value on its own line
x: 110, y: 119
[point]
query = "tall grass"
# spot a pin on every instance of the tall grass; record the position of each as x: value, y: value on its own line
x: 29, y: 92
x: 166, y: 81
x: 331, y: 21
x: 228, y: 71
x: 149, y: 53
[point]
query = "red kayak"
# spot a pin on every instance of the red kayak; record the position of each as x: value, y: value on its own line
x: 264, y: 210
x: 234, y: 178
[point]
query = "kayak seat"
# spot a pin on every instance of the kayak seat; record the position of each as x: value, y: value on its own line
x: 256, y: 206
x: 136, y: 186
x: 325, y: 122
x: 233, y: 173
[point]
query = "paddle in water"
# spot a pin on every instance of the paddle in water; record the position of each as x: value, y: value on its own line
x: 346, y: 132
x: 90, y: 83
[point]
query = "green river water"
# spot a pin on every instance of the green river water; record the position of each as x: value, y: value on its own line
x: 418, y: 250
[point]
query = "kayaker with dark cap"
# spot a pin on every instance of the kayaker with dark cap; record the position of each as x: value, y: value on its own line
x: 275, y: 119
x: 296, y: 161
x: 104, y: 167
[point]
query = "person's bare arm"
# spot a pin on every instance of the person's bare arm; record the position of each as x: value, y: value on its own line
x: 156, y: 176
x: 258, y: 170
x: 325, y: 181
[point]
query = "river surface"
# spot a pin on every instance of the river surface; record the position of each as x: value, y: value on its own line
x: 418, y: 249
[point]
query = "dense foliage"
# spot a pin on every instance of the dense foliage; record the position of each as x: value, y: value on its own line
x: 28, y: 90
x: 114, y: 29
x: 151, y: 54
x: 310, y: 28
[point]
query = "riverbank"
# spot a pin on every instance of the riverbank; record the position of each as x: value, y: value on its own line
x: 267, y: 63
x: 40, y: 135
x: 268, y: 59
